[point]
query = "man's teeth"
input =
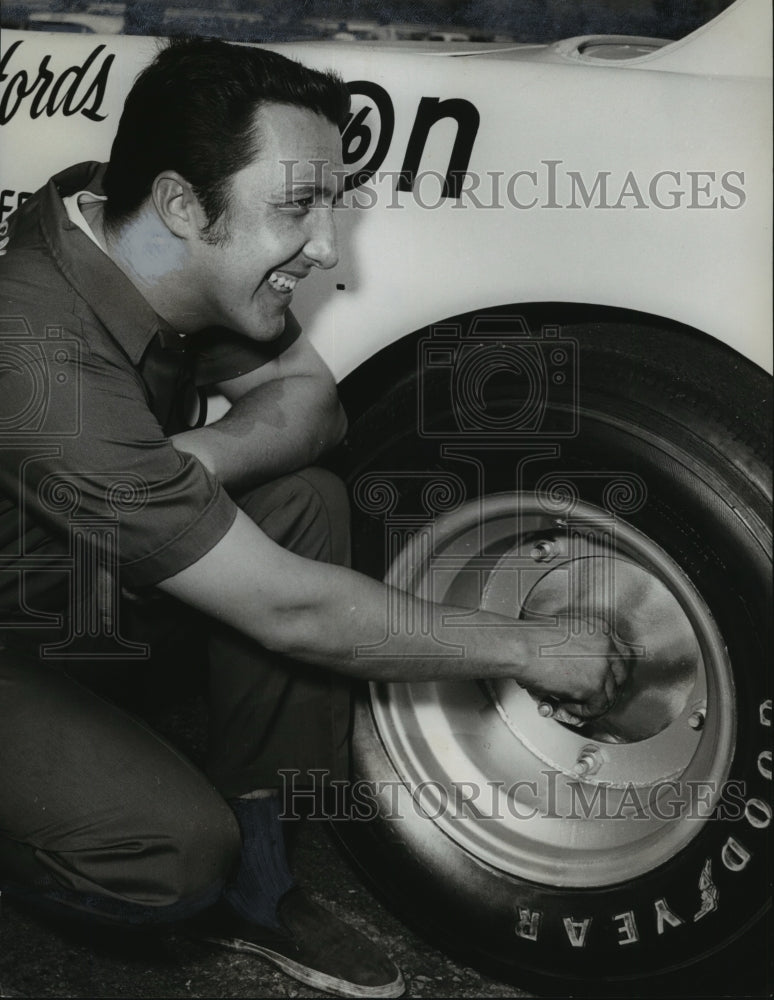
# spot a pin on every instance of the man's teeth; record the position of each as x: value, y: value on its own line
x: 282, y: 282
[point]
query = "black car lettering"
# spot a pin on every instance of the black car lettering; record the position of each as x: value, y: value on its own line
x: 368, y: 133
x: 74, y: 90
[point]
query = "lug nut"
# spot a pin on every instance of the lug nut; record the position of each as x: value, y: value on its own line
x: 542, y: 551
x: 696, y: 719
x: 588, y: 762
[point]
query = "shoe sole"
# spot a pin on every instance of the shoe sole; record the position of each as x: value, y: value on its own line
x: 319, y: 980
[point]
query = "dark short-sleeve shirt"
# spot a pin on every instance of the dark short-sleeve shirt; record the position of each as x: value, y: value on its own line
x: 92, y: 384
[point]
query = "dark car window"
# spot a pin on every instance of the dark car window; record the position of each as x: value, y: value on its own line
x: 438, y: 21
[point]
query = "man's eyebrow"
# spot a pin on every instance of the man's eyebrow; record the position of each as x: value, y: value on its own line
x: 302, y: 189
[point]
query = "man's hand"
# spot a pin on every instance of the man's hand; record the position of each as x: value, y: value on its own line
x: 585, y: 680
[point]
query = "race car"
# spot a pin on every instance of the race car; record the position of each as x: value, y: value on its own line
x: 551, y: 324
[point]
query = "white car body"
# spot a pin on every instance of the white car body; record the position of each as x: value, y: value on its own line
x: 685, y: 124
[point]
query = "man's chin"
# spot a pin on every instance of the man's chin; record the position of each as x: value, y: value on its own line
x: 268, y: 327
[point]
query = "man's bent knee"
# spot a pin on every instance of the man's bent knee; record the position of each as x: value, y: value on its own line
x: 193, y: 854
x: 176, y: 866
x: 168, y: 874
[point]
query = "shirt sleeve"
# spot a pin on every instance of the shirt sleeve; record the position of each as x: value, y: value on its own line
x: 223, y: 355
x: 97, y: 460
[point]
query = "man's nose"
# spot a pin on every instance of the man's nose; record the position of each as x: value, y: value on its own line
x: 321, y: 248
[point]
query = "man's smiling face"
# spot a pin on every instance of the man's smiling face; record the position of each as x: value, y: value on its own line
x: 278, y: 226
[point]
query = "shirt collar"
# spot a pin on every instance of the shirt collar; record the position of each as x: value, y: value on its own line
x: 120, y: 307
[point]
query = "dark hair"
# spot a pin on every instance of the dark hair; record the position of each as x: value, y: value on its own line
x: 191, y: 110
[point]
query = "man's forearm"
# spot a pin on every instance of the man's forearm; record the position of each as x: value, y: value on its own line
x: 358, y: 626
x: 333, y: 617
x: 270, y: 432
x: 355, y: 625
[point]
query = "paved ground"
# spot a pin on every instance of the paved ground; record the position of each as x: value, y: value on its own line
x: 40, y: 959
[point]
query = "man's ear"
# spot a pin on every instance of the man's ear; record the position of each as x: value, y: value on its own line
x: 177, y: 205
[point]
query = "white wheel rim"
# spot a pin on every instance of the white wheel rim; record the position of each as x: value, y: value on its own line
x: 489, y: 771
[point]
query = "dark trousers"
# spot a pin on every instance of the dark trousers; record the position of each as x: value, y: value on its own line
x: 99, y: 814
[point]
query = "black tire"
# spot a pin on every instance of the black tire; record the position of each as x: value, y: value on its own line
x: 690, y: 420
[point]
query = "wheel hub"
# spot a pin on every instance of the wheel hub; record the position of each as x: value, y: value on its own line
x: 666, y: 681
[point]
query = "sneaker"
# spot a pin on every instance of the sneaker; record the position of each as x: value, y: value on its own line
x: 313, y: 946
